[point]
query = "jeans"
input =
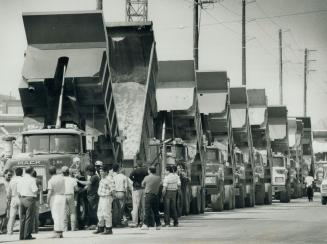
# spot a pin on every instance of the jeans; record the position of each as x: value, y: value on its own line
x: 70, y: 212
x: 151, y: 206
x: 138, y: 205
x: 170, y: 207
x: 27, y: 215
x: 121, y: 196
x: 92, y: 209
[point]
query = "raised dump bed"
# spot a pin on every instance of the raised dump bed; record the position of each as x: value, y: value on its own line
x: 243, y: 140
x: 133, y: 66
x: 213, y: 97
x: 260, y: 138
x: 179, y: 120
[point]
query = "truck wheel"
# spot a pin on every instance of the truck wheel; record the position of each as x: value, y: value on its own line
x: 284, y: 196
x: 228, y: 204
x: 240, y: 199
x: 179, y: 203
x: 268, y: 195
x: 196, y: 203
x: 260, y: 194
x: 323, y: 200
x: 186, y: 200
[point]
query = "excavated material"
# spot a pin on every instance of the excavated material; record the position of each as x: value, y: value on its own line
x: 129, y: 100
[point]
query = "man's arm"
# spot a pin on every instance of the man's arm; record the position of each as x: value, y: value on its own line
x: 144, y: 182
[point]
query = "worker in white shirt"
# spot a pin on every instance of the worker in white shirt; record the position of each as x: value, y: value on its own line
x: 309, y: 184
x: 57, y: 201
x: 121, y: 185
x: 13, y: 199
x: 70, y: 188
x: 5, y: 181
x: 27, y: 191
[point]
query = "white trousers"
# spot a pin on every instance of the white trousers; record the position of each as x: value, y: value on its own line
x: 138, y: 205
x: 104, y: 211
x: 14, y: 209
x: 58, y: 211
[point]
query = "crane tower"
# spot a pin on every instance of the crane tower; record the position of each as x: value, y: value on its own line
x: 136, y: 10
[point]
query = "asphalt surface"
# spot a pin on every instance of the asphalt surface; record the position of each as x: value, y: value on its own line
x: 295, y: 222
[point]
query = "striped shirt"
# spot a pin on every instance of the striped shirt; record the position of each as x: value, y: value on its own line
x: 105, y: 187
x: 171, y: 182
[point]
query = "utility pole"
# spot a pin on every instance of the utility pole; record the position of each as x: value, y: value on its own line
x: 280, y: 67
x: 196, y: 33
x: 243, y: 43
x: 99, y: 5
x: 305, y: 81
x: 306, y: 73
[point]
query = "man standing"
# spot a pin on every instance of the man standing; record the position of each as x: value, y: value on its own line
x: 137, y: 176
x: 121, y: 185
x: 171, y: 184
x: 106, y: 192
x: 70, y: 188
x: 27, y: 191
x: 4, y: 217
x: 152, y: 185
x: 13, y: 199
x: 92, y: 185
x: 309, y: 184
x: 56, y: 199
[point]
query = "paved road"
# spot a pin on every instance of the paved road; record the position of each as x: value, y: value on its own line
x: 295, y: 222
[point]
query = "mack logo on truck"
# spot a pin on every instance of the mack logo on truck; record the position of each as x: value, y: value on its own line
x: 29, y: 162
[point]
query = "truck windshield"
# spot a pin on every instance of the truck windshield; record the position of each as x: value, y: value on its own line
x: 278, y: 162
x: 53, y: 143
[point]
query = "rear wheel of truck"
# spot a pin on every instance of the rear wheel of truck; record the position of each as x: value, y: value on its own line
x: 228, y: 204
x: 240, y: 199
x: 323, y: 200
x: 186, y: 198
x: 284, y: 196
x: 179, y: 203
x: 217, y: 202
x: 196, y: 202
x: 268, y: 194
x: 260, y: 194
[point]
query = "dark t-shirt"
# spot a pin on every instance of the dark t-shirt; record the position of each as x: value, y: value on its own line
x: 137, y: 177
x: 92, y: 189
x: 152, y: 184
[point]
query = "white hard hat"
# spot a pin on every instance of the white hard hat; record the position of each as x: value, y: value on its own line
x: 76, y: 159
x: 98, y: 163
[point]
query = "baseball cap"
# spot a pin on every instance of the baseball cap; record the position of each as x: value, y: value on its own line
x: 64, y: 169
x: 98, y: 163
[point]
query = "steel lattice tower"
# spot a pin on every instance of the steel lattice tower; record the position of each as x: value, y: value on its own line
x: 136, y: 10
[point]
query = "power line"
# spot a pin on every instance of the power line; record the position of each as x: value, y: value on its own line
x: 229, y: 10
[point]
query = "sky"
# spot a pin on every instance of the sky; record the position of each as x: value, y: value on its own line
x: 303, y: 24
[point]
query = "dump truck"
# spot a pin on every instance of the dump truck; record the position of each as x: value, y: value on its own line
x: 178, y: 125
x: 320, y: 163
x: 278, y: 134
x: 214, y: 105
x: 295, y: 133
x: 244, y: 179
x: 308, y: 153
x: 260, y: 137
x: 72, y: 79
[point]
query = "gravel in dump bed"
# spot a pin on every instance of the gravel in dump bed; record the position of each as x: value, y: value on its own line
x: 129, y: 101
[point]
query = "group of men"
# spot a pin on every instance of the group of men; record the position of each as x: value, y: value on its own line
x: 104, y: 189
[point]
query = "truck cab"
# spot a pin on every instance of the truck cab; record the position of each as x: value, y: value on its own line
x: 43, y: 148
x: 279, y: 174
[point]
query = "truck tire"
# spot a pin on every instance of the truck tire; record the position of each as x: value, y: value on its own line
x: 186, y: 197
x: 323, y: 200
x: 268, y: 195
x: 260, y: 194
x: 217, y: 202
x: 250, y: 198
x: 179, y: 203
x: 240, y: 199
x: 228, y: 204
x: 196, y: 203
x: 284, y: 196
